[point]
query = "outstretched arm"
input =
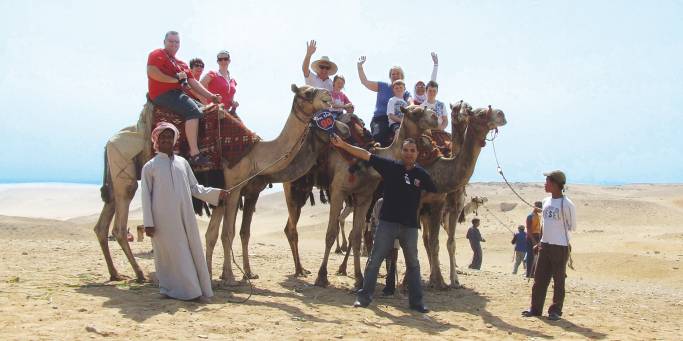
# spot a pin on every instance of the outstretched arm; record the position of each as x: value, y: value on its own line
x: 372, y: 86
x: 310, y: 50
x: 356, y: 152
x: 435, y: 69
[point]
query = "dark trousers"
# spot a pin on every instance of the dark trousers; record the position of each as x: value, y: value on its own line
x: 552, y: 264
x: 477, y: 256
x: 379, y: 126
x: 530, y: 255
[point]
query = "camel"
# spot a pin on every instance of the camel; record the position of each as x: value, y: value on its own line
x: 470, y: 128
x: 314, y: 145
x: 267, y: 156
x: 416, y: 120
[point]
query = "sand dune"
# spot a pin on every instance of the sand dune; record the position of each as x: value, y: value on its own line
x: 627, y: 284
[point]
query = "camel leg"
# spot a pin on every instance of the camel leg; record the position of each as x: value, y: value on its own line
x: 342, y: 267
x: 211, y: 235
x: 361, y: 204
x: 332, y: 230
x: 294, y: 210
x: 121, y: 231
x: 458, y: 203
x: 124, y: 185
x: 102, y: 231
x: 424, y: 220
x: 342, y: 221
x: 433, y: 225
x: 338, y: 249
x: 245, y: 232
x: 227, y: 237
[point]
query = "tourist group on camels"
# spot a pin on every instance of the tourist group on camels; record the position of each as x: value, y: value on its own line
x: 193, y: 154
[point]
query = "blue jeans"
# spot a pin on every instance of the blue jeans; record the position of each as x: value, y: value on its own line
x: 385, y: 235
x: 179, y: 103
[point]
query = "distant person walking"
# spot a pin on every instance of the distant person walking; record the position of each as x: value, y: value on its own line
x: 559, y: 217
x: 475, y: 238
x: 520, y: 242
x: 533, y: 235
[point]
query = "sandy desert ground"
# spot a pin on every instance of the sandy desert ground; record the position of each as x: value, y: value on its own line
x: 627, y: 284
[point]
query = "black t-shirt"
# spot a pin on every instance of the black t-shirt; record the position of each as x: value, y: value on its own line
x: 402, y: 190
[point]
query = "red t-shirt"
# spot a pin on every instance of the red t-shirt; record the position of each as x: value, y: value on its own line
x: 219, y: 85
x: 169, y: 66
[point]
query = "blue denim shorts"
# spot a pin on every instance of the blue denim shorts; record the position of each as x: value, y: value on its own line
x: 179, y: 103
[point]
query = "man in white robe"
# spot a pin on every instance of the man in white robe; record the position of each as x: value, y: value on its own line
x: 168, y: 185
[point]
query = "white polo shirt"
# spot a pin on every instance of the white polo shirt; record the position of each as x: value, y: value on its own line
x: 315, y: 81
x: 555, y: 211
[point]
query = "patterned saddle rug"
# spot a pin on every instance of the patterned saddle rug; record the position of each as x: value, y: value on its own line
x: 433, y: 145
x: 227, y: 138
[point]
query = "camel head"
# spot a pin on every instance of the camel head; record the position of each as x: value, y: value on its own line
x: 417, y: 119
x: 309, y: 100
x: 479, y: 200
x: 489, y: 117
x: 460, y: 111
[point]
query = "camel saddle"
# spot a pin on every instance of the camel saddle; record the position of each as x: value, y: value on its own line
x: 220, y: 137
x: 433, y: 145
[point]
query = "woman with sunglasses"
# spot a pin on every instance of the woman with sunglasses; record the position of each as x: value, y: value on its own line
x: 221, y: 83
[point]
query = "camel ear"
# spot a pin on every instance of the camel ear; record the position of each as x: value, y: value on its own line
x: 295, y: 89
x: 404, y: 110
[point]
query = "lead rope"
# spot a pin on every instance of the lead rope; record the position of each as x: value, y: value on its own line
x: 499, y: 169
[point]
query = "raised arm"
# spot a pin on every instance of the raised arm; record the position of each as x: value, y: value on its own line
x: 310, y: 50
x: 372, y: 86
x: 356, y: 152
x: 435, y: 69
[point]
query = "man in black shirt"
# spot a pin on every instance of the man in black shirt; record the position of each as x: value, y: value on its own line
x: 404, y: 182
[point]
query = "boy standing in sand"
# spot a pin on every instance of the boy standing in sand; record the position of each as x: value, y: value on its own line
x: 559, y: 217
x: 475, y: 238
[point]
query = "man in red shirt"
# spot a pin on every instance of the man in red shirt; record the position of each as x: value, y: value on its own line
x: 166, y: 77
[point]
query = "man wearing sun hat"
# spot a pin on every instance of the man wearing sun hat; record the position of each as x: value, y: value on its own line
x: 323, y: 67
x: 558, y: 218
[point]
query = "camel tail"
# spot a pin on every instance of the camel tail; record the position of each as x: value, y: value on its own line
x: 105, y: 190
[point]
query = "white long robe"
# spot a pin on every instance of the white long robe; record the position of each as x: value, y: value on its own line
x: 167, y: 187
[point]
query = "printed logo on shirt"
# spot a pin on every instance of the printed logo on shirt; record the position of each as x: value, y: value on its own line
x: 406, y: 178
x: 416, y: 182
x: 551, y: 212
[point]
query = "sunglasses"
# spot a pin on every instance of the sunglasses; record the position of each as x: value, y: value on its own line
x: 222, y: 59
x: 198, y: 65
x: 324, y: 67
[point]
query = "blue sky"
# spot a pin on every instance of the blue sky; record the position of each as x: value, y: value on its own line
x: 591, y: 87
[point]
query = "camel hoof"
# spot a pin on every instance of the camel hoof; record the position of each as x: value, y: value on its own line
x: 358, y: 284
x: 141, y: 278
x: 322, y: 282
x: 229, y: 283
x: 455, y: 285
x: 250, y: 276
x: 338, y: 251
x: 118, y: 278
x: 344, y: 248
x: 341, y: 272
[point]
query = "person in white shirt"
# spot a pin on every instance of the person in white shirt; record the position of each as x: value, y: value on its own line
x: 435, y: 105
x: 394, y: 114
x: 323, y: 67
x: 558, y: 219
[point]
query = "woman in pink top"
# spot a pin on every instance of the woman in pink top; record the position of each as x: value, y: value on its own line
x: 221, y: 83
x: 339, y: 100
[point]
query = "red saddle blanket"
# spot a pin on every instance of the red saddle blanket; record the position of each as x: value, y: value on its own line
x: 226, y: 139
